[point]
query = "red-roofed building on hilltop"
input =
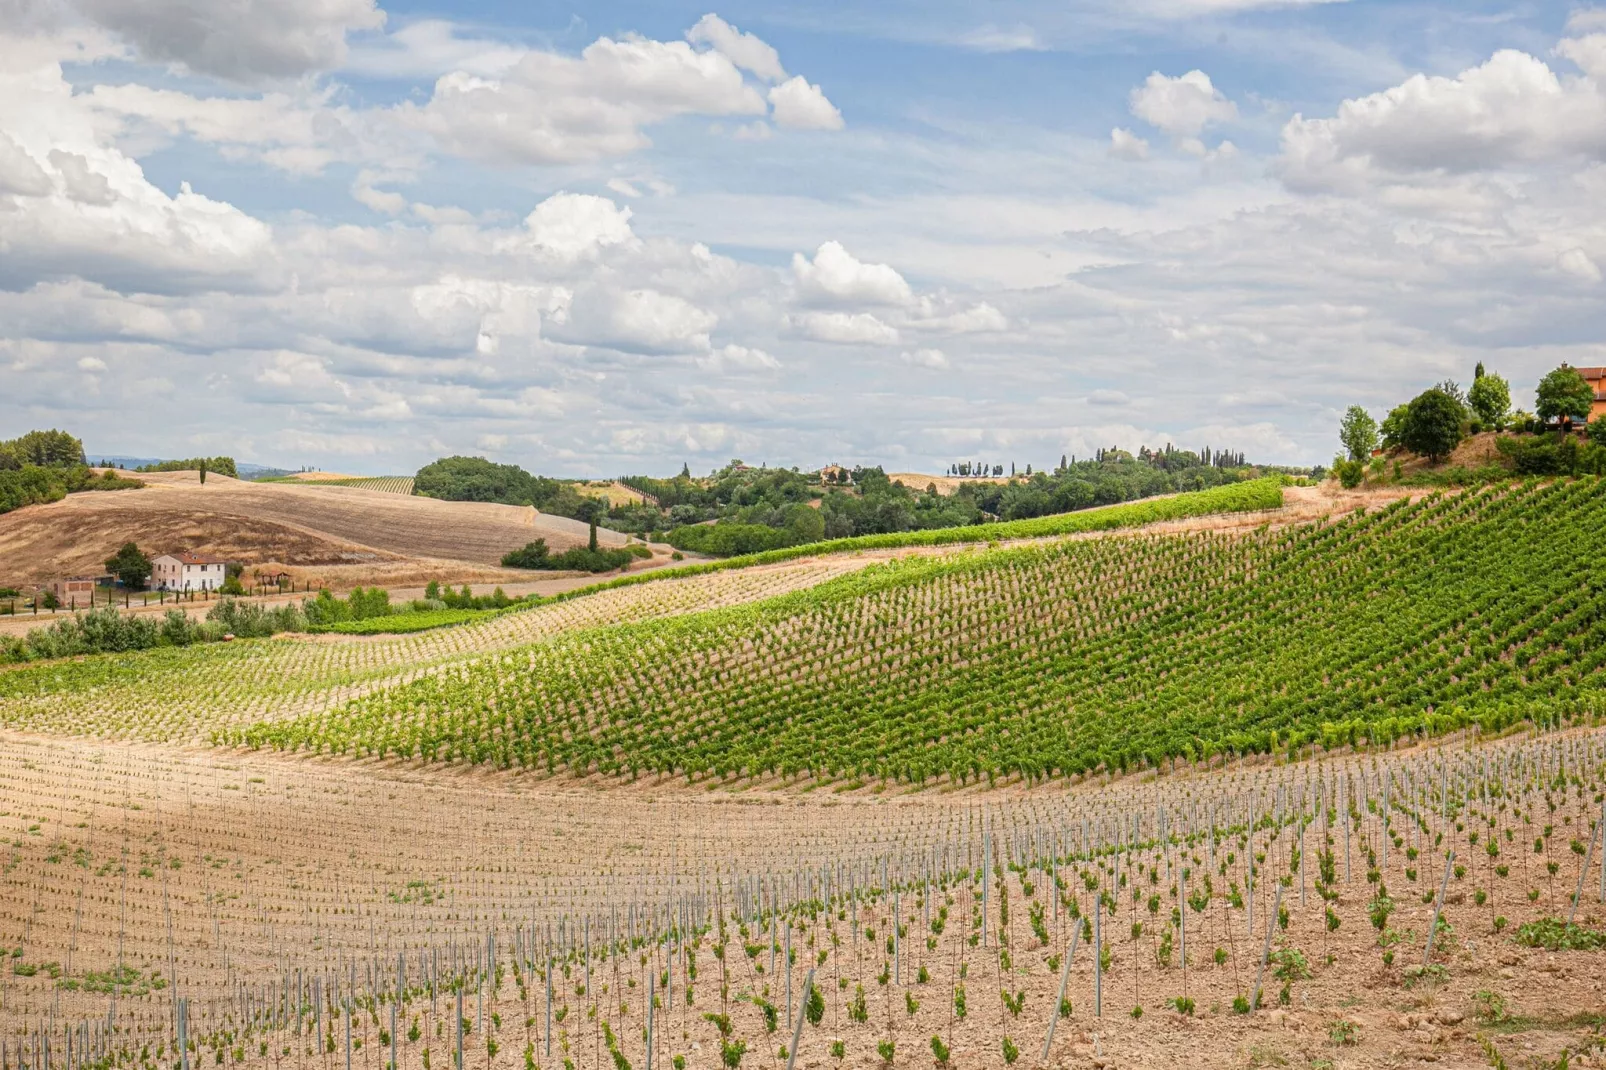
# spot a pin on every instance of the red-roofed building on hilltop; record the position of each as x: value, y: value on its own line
x: 1596, y: 378
x: 188, y: 572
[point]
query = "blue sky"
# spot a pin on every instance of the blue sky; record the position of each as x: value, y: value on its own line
x: 358, y: 235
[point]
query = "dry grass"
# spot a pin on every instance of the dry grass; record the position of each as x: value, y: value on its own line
x: 323, y: 534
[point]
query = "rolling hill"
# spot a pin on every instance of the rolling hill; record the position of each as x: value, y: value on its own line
x: 1485, y: 606
x: 339, y: 534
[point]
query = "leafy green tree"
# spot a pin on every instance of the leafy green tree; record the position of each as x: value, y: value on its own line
x: 1490, y: 398
x: 1358, y: 431
x: 130, y: 565
x: 1393, y: 427
x: 1432, y: 424
x: 1564, y: 395
x: 43, y: 449
x: 1597, y: 430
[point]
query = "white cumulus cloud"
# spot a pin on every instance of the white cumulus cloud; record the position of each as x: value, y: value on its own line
x: 745, y: 50
x: 571, y: 225
x: 636, y: 321
x: 1181, y: 106
x: 551, y: 108
x: 1511, y: 110
x: 1125, y: 145
x: 837, y: 275
x: 802, y: 106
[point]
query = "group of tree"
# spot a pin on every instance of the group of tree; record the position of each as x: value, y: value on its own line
x: 1434, y: 423
x: 46, y: 466
x: 223, y: 466
x: 757, y: 509
x: 592, y: 558
x: 740, y: 509
x: 42, y: 449
x: 475, y: 479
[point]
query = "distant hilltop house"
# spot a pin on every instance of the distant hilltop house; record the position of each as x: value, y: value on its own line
x: 1596, y: 378
x: 835, y: 473
x: 188, y: 572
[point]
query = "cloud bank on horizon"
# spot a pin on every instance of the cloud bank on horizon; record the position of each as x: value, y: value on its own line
x: 321, y: 231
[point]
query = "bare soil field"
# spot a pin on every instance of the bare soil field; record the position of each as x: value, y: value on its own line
x: 341, y: 536
x: 266, y: 891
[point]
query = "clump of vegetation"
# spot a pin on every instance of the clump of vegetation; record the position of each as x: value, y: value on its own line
x: 535, y: 555
x: 475, y: 479
x: 46, y: 466
x: 221, y: 466
x: 759, y: 510
x: 1553, y: 934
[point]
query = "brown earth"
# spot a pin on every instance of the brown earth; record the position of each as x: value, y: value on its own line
x: 339, y: 536
x: 230, y: 872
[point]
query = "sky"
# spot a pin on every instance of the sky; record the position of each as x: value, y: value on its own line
x: 623, y: 237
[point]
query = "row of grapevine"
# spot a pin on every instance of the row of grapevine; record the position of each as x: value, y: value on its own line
x: 991, y: 932
x: 1044, y: 661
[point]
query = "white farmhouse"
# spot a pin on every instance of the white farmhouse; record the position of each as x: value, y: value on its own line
x: 188, y: 572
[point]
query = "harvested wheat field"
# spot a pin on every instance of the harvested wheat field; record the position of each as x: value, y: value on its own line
x: 331, y: 534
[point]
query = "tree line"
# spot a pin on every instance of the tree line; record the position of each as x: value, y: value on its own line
x: 754, y: 511
x: 46, y: 466
x: 1437, y: 420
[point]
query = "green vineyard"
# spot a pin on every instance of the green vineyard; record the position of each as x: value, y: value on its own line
x: 387, y: 484
x: 1048, y: 660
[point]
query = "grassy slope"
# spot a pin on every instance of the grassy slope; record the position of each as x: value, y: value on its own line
x: 1485, y: 606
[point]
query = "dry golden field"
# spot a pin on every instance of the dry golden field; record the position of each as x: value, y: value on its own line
x: 342, y: 536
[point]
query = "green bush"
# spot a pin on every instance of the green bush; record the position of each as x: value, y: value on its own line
x: 250, y: 620
x: 535, y: 555
x: 1552, y: 934
x: 93, y: 632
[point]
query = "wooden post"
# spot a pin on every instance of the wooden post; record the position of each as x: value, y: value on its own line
x: 1578, y: 892
x: 1438, y: 905
x: 1098, y: 958
x: 1054, y: 1011
x: 797, y: 1028
x: 1265, y: 950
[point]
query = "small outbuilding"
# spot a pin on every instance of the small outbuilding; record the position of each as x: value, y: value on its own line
x: 73, y: 591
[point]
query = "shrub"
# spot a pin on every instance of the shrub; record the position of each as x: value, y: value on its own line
x: 1555, y: 935
x: 535, y: 555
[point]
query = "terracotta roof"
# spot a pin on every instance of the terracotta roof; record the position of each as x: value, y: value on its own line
x: 197, y: 559
x: 1591, y: 373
